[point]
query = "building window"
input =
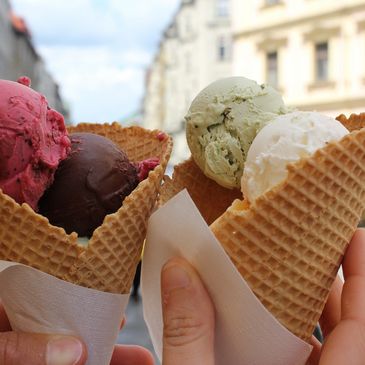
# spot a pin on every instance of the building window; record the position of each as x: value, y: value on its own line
x: 187, y: 62
x: 272, y: 68
x: 271, y: 2
x: 223, y: 48
x: 188, y: 25
x: 222, y: 8
x: 321, y: 61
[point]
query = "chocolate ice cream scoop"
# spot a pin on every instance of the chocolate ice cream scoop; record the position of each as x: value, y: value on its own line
x: 91, y: 183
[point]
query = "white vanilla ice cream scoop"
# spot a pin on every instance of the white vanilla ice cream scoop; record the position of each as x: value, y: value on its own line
x: 287, y: 139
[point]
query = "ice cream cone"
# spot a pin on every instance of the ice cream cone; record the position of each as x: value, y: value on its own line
x: 288, y: 244
x: 354, y: 122
x: 210, y: 198
x: 109, y: 260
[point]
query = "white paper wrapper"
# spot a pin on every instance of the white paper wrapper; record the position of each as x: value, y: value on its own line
x: 246, y: 333
x: 40, y: 303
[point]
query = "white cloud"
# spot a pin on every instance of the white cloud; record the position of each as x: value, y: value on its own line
x: 98, y: 49
x: 71, y: 22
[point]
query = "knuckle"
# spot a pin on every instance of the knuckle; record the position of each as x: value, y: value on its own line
x: 182, y: 330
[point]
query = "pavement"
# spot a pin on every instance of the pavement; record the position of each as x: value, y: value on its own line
x: 135, y: 331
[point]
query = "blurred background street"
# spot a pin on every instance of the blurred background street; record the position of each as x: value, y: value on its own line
x: 135, y: 331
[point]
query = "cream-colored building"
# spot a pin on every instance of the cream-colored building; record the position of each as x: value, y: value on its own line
x: 312, y: 51
x: 195, y: 50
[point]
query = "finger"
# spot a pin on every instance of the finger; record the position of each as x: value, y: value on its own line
x: 346, y: 344
x: 36, y: 349
x: 4, y: 321
x: 316, y: 352
x: 131, y: 355
x: 124, y: 320
x: 354, y: 260
x: 331, y: 314
x: 188, y: 316
x: 353, y: 298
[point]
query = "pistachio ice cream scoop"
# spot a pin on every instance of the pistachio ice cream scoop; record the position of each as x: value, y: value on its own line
x: 222, y: 122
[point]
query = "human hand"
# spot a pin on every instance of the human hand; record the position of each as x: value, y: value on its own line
x: 19, y: 348
x: 343, y: 318
x: 188, y: 314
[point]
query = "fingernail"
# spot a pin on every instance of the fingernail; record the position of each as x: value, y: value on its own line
x: 64, y: 351
x: 174, y: 276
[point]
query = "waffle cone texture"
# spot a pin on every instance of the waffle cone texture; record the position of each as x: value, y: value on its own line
x: 211, y: 198
x: 109, y: 261
x: 289, y: 244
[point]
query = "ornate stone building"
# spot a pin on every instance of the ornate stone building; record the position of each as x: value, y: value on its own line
x: 195, y: 50
x: 312, y: 51
x: 18, y: 57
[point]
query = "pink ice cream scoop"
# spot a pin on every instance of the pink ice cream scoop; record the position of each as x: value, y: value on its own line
x: 33, y: 141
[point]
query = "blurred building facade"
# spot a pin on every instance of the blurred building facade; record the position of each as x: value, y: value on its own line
x: 312, y: 51
x: 195, y: 50
x: 18, y: 57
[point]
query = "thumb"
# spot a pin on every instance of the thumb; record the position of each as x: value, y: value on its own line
x: 188, y: 316
x: 38, y: 349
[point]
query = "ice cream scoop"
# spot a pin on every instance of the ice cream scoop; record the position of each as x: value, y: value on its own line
x: 223, y: 120
x: 91, y: 183
x: 33, y: 141
x: 285, y: 140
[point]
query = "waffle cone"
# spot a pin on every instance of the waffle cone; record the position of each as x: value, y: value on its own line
x: 354, y: 122
x: 289, y: 244
x: 211, y: 198
x: 109, y: 260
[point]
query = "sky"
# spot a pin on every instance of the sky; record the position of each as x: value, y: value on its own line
x: 98, y: 50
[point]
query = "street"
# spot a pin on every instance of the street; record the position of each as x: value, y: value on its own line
x: 135, y: 331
